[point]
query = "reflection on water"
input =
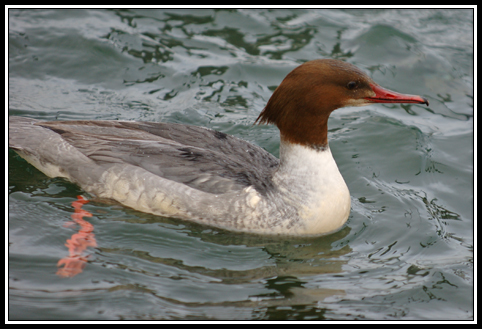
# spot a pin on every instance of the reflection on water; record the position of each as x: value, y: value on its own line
x: 292, y: 262
x: 78, y: 243
x: 287, y: 276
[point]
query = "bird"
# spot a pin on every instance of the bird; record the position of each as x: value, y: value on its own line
x: 206, y: 176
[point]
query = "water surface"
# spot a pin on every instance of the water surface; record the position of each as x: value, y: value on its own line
x: 406, y: 252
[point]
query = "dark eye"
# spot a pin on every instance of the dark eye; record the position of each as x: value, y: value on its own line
x: 351, y: 85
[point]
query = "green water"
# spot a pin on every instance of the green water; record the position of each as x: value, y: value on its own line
x: 406, y: 252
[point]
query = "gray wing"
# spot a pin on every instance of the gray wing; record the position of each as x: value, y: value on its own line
x: 201, y: 158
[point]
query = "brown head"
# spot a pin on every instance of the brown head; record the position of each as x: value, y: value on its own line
x: 302, y: 103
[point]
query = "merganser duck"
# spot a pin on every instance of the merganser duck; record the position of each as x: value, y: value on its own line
x: 209, y: 177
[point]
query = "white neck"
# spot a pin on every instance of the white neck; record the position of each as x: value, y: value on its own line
x: 312, y: 178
